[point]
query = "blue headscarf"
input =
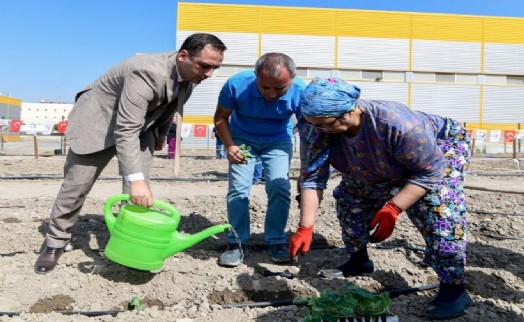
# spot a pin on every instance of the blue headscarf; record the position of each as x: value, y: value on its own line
x: 325, y: 97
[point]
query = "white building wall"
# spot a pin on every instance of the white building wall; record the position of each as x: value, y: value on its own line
x: 504, y: 59
x: 373, y: 53
x: 384, y: 91
x: 446, y: 56
x: 203, y: 100
x: 44, y: 112
x: 504, y: 104
x: 307, y: 51
x: 460, y: 102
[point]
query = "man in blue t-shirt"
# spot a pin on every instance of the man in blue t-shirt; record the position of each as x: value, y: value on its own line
x: 258, y: 109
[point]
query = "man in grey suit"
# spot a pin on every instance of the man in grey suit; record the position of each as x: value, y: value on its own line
x: 126, y: 112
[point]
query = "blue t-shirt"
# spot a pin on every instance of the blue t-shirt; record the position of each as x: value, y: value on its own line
x: 255, y: 117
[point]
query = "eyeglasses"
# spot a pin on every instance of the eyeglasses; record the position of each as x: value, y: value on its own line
x: 325, y: 127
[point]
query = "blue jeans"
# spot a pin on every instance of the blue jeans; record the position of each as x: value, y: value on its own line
x: 276, y: 157
x: 221, y: 150
x: 259, y: 171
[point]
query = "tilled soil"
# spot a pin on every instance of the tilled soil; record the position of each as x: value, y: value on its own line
x: 192, y: 287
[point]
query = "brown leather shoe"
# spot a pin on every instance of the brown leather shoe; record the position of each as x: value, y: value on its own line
x: 48, y: 259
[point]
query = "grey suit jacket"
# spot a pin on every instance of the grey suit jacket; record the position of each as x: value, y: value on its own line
x: 133, y: 96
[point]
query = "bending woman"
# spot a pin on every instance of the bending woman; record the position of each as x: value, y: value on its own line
x: 392, y: 160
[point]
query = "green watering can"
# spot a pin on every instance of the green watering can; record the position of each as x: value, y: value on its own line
x: 143, y: 238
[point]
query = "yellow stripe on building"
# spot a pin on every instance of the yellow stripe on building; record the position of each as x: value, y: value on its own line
x: 198, y: 119
x: 303, y: 21
x: 508, y: 31
x: 447, y: 27
x: 348, y: 22
x: 10, y: 101
x: 375, y: 24
x: 203, y: 17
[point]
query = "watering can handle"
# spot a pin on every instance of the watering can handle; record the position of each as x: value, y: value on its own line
x: 111, y: 219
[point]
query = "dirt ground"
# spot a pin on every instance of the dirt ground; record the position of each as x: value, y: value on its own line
x: 192, y: 287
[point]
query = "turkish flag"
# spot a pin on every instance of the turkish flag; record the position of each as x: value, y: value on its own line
x: 509, y: 135
x: 62, y: 126
x: 200, y: 130
x: 15, y: 125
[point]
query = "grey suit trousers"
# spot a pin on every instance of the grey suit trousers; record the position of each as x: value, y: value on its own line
x: 80, y: 173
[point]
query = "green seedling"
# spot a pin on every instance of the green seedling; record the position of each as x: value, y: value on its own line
x: 244, y: 150
x: 135, y: 303
x: 347, y: 302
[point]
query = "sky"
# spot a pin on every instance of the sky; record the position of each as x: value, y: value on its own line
x: 51, y: 49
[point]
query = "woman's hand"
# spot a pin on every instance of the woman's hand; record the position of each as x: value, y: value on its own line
x: 301, y: 240
x: 385, y: 218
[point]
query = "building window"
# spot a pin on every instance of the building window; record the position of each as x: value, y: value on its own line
x: 323, y: 73
x: 424, y: 77
x: 372, y: 75
x: 466, y: 78
x: 226, y: 70
x: 302, y: 72
x: 495, y: 80
x: 351, y: 74
x: 444, y: 78
x: 395, y: 76
x: 515, y: 80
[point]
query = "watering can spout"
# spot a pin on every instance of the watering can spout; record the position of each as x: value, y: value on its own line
x: 182, y: 241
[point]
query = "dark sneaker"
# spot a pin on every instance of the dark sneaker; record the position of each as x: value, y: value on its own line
x: 279, y: 253
x: 349, y: 269
x: 233, y: 256
x: 441, y: 310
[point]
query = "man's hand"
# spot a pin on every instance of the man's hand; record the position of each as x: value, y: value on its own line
x: 301, y: 240
x: 140, y: 193
x: 234, y: 155
x: 385, y: 218
x: 160, y: 143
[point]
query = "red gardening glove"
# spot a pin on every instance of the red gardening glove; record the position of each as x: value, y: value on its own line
x: 385, y: 218
x: 300, y: 240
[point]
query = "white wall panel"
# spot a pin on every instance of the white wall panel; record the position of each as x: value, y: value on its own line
x: 397, y: 92
x: 503, y: 104
x: 446, y: 56
x: 460, y: 102
x: 373, y: 53
x: 204, y: 98
x: 242, y: 48
x: 504, y: 59
x: 306, y: 51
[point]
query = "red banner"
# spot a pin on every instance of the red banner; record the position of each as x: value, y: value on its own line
x: 509, y: 135
x: 62, y: 126
x: 15, y: 125
x: 200, y: 130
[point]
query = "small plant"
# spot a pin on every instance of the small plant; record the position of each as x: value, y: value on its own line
x: 135, y: 303
x: 244, y: 150
x: 347, y: 302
